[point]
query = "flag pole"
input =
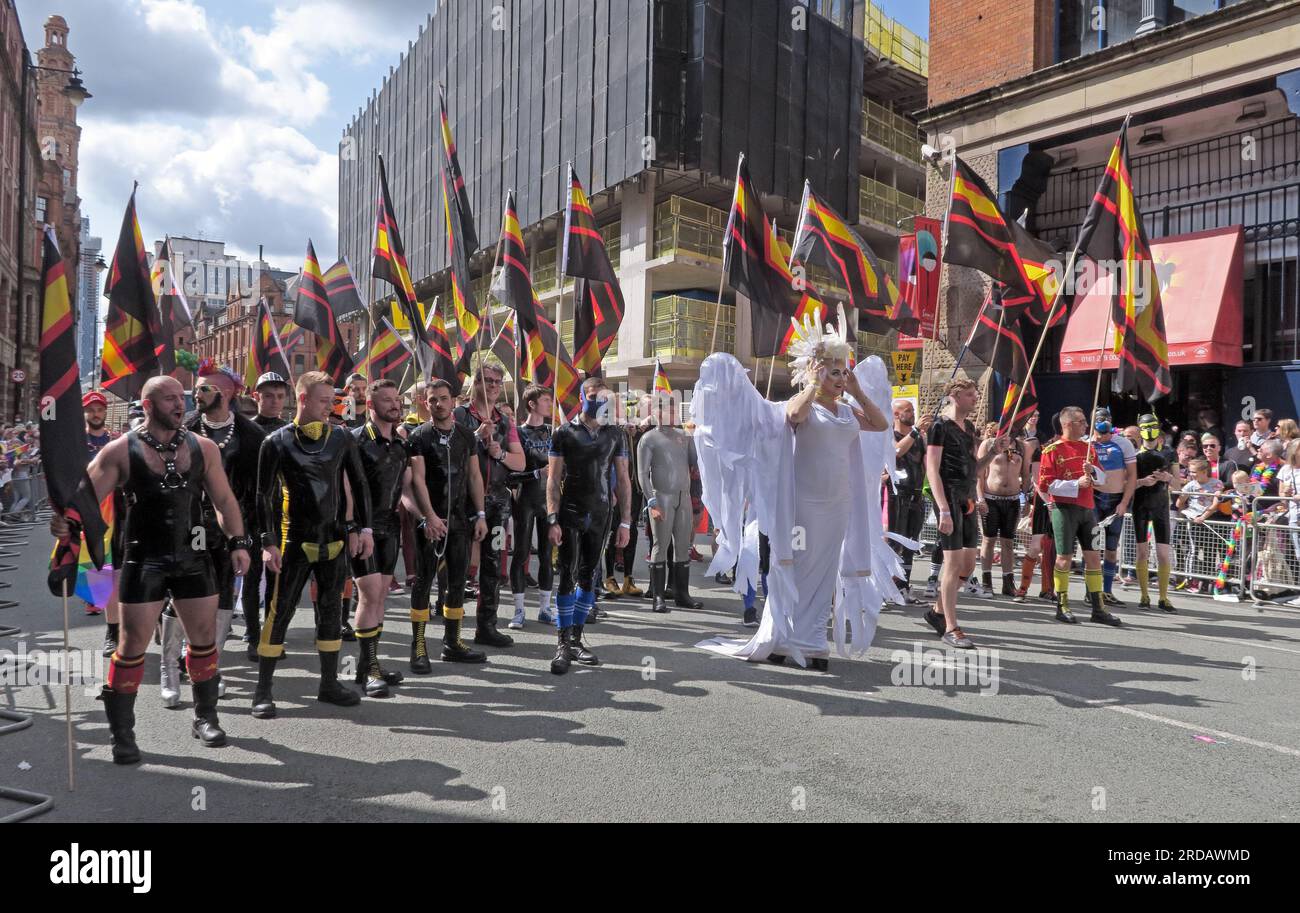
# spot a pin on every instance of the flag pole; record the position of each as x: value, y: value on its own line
x: 961, y: 356
x: 947, y: 216
x: 1047, y: 323
x: 1101, y: 369
x: 482, y: 356
x: 67, y: 696
x: 770, y: 371
x: 726, y: 245
x: 997, y: 341
x: 561, y: 252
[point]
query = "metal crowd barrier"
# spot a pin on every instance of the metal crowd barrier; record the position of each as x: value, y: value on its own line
x: 12, y: 538
x: 1274, y: 536
x: 1198, y: 549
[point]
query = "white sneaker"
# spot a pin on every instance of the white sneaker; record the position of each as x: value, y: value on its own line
x: 981, y: 591
x: 931, y: 589
x: 517, y: 623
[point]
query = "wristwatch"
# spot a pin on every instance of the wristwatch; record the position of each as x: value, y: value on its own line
x: 481, y: 515
x: 552, y: 519
x: 235, y: 543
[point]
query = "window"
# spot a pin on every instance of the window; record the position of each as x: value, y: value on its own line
x: 1087, y: 26
x: 42, y: 205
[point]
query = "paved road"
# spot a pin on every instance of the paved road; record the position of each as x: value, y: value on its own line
x: 1171, y: 718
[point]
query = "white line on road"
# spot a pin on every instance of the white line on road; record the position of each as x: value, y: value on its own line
x: 1154, y: 718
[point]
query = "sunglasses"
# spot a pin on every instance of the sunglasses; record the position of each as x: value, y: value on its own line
x: 205, y: 388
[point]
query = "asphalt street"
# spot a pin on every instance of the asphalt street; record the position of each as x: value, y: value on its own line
x: 1190, y: 717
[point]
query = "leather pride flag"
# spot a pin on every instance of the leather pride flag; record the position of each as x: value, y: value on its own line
x: 342, y: 290
x: 661, y: 384
x: 1113, y: 232
x: 536, y: 338
x: 389, y: 262
x: 387, y: 357
x: 982, y: 237
x: 598, y: 309
x: 824, y: 238
x: 64, y: 454
x: 268, y: 352
x: 313, y: 313
x: 451, y: 166
x: 442, y: 364
x: 463, y: 305
x: 757, y: 266
x: 134, y: 347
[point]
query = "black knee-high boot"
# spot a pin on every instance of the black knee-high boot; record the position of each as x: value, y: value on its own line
x: 682, y: 587
x: 331, y: 691
x: 120, y: 710
x: 206, y: 727
x: 263, y: 703
x: 658, y: 585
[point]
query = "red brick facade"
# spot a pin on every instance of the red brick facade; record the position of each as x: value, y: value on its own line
x: 978, y: 44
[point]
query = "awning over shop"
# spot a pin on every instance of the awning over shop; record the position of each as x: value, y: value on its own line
x: 1200, y: 287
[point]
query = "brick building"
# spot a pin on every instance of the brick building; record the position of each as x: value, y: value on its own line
x: 19, y: 250
x: 1032, y: 94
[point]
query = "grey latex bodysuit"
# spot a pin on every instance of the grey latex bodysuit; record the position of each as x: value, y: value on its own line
x: 664, y: 459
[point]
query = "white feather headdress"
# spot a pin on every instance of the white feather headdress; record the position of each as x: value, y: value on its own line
x: 812, y: 342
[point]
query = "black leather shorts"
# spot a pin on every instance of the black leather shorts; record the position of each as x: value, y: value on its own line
x: 383, y: 560
x: 151, y: 579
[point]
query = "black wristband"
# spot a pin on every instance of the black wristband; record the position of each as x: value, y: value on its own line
x: 235, y: 543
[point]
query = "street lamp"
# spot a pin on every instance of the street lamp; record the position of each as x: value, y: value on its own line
x: 77, y: 93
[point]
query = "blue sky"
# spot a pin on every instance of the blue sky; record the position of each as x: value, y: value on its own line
x: 229, y: 112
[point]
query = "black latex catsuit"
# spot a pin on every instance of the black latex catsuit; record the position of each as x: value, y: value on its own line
x: 496, y: 504
x: 162, y: 511
x: 530, y: 510
x: 446, y: 457
x: 384, y: 461
x: 307, y: 476
x: 584, y: 513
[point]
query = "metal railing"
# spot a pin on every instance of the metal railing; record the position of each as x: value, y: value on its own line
x: 882, y: 203
x: 890, y: 129
x: 1198, y: 550
x: 683, y: 226
x: 1273, y: 538
x: 891, y: 40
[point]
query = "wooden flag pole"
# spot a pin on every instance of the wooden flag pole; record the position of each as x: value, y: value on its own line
x: 1101, y: 369
x: 561, y: 249
x: 1047, y: 323
x: 771, y: 370
x: 993, y: 356
x: 67, y: 697
x: 943, y: 244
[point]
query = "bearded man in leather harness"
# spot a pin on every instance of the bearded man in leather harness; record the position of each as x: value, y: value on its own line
x: 164, y: 472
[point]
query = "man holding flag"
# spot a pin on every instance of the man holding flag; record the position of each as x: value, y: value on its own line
x: 165, y: 471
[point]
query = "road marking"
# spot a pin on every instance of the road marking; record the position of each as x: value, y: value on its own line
x: 1154, y: 718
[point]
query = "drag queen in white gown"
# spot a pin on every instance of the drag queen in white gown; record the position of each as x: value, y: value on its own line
x: 809, y: 467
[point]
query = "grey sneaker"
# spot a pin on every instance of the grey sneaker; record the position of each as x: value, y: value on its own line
x: 517, y: 623
x: 957, y: 638
x: 931, y: 588
x: 982, y: 592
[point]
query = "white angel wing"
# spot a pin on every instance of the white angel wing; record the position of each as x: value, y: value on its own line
x: 737, y: 434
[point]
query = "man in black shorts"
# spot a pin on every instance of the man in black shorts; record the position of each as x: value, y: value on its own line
x: 578, y: 501
x: 443, y: 464
x: 1067, y: 475
x: 164, y: 472
x: 385, y: 459
x: 952, y: 468
x: 302, y: 466
x: 1000, y: 487
x: 1151, y: 506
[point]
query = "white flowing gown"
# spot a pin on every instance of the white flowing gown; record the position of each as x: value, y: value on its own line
x: 820, y: 484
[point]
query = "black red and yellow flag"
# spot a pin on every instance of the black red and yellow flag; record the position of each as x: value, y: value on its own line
x: 389, y: 263
x: 536, y: 337
x: 463, y: 304
x: 660, y: 383
x: 170, y: 293
x: 342, y: 290
x: 268, y: 351
x: 64, y: 454
x: 387, y: 358
x: 982, y: 237
x: 442, y: 364
x: 451, y: 166
x: 134, y: 349
x: 1113, y: 233
x: 997, y: 341
x: 598, y: 312
x: 824, y: 239
x: 598, y: 299
x: 313, y: 313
